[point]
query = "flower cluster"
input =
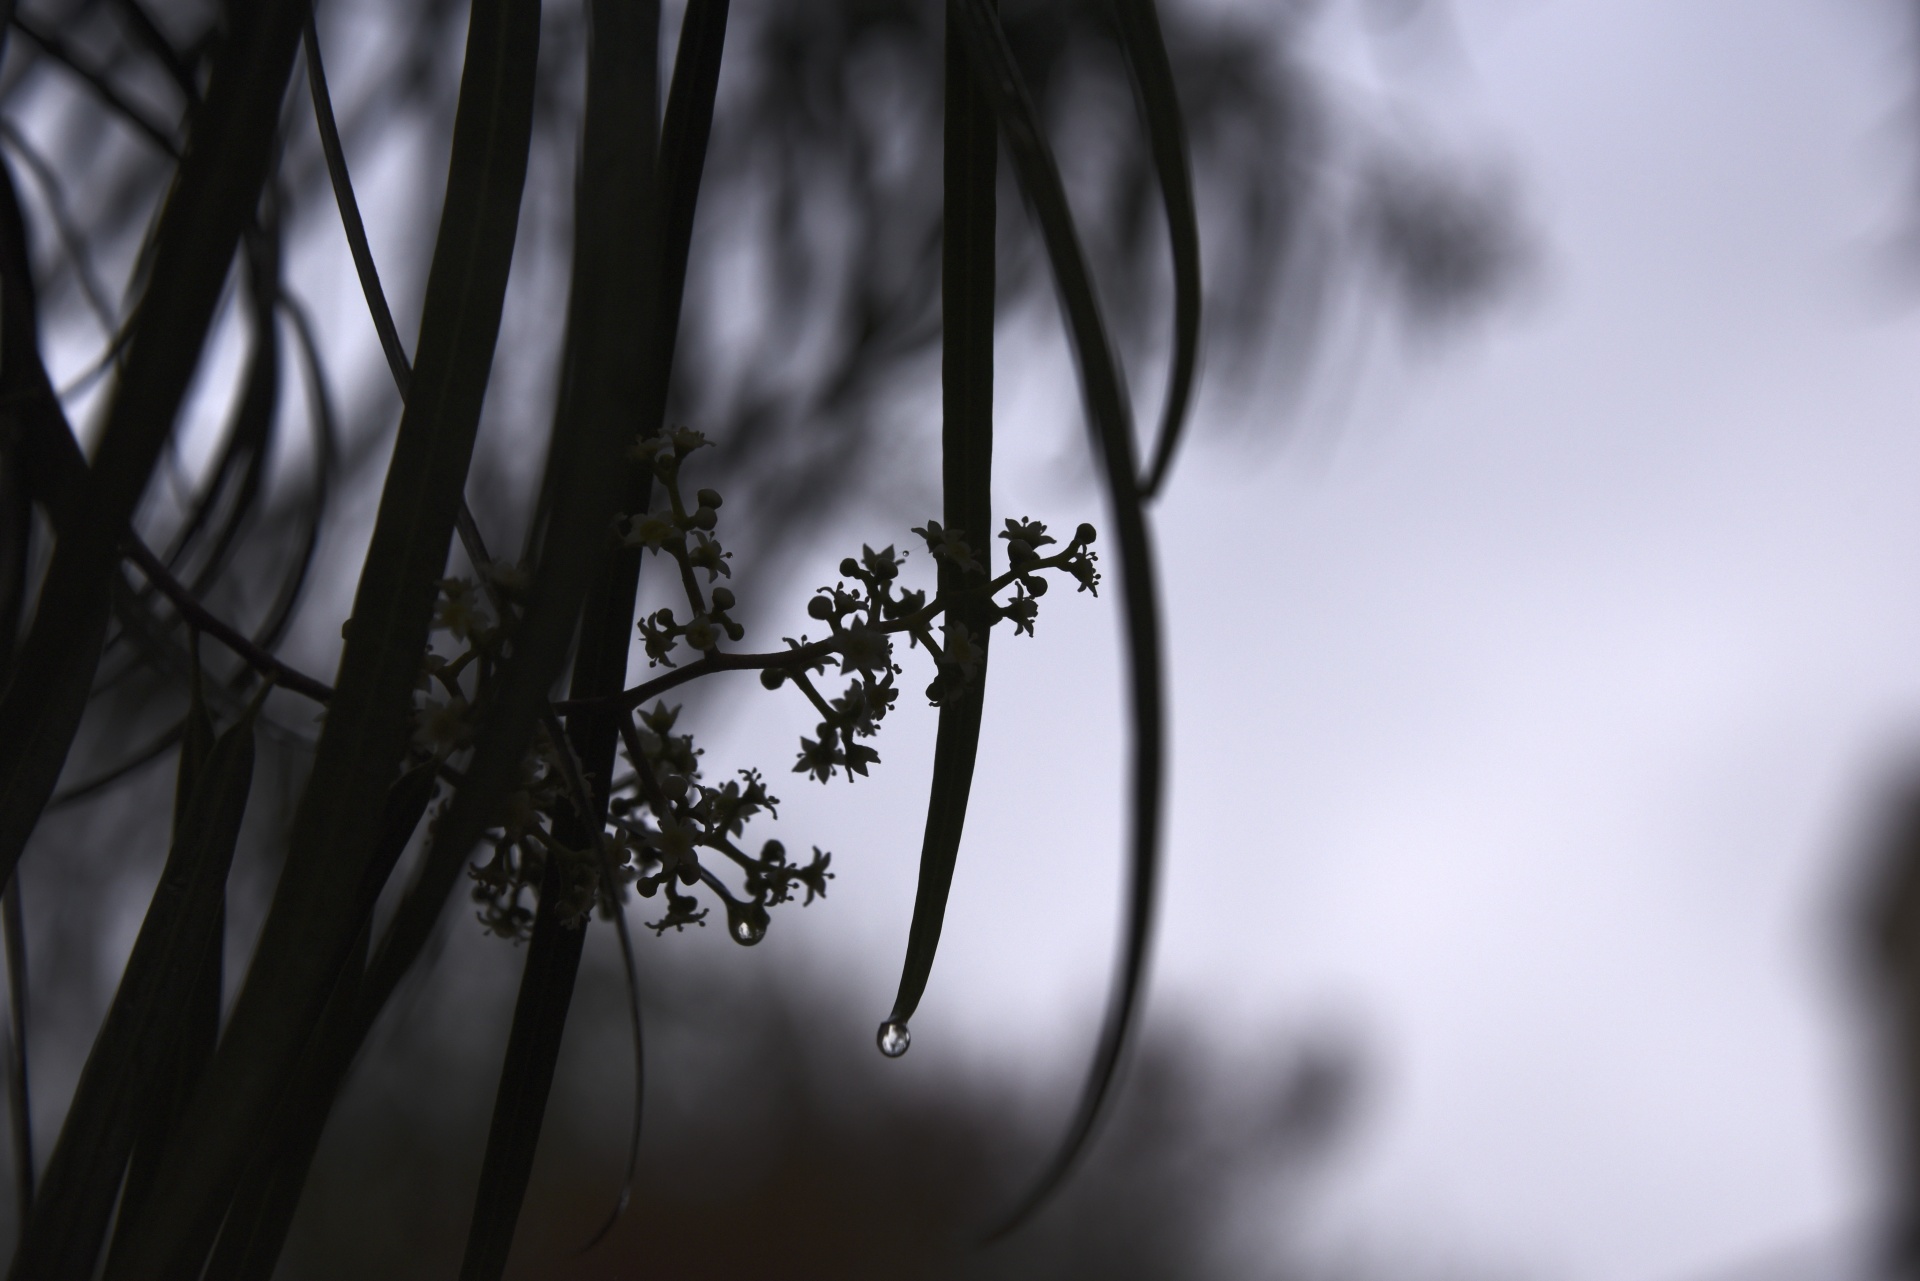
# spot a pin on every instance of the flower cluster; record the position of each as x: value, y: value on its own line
x: 864, y: 617
x: 669, y: 833
x: 450, y: 689
x: 671, y: 816
x: 684, y: 533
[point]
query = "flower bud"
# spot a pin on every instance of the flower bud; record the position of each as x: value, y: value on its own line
x: 708, y: 498
x: 772, y: 677
x: 850, y: 567
x: 820, y: 607
x: 1084, y: 534
x: 703, y: 517
x: 722, y: 598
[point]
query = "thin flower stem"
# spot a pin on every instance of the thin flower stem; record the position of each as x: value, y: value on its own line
x: 199, y: 617
x: 813, y: 695
x: 800, y: 657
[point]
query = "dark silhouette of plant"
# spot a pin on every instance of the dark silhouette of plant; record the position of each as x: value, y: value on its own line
x: 158, y: 157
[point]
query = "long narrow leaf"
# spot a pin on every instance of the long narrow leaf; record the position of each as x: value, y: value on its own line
x: 218, y: 186
x: 350, y: 221
x: 612, y: 315
x: 13, y: 926
x: 636, y: 1028
x: 526, y: 1077
x: 316, y: 909
x: 1146, y: 49
x: 1111, y: 421
x: 239, y: 472
x: 165, y: 1095
x: 683, y: 151
x: 684, y: 131
x: 966, y: 371
x: 151, y: 1013
x: 251, y: 1239
x: 256, y: 1226
x: 16, y: 548
x: 46, y: 473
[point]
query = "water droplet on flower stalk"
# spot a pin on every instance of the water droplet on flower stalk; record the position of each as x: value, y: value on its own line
x: 894, y: 1039
x: 747, y: 923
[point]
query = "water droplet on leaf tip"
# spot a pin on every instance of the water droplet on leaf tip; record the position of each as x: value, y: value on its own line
x: 894, y: 1038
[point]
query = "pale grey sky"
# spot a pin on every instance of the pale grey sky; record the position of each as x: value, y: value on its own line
x: 1526, y: 709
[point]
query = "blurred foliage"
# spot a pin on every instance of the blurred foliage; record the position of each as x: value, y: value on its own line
x: 777, y: 1147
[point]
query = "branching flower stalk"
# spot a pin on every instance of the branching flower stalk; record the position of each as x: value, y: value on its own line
x: 669, y: 832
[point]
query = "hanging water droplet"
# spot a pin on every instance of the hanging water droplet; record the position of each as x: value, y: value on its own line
x: 747, y: 922
x: 894, y: 1039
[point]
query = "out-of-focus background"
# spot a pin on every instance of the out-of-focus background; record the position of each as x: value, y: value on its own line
x: 1537, y: 694
x: 1544, y: 607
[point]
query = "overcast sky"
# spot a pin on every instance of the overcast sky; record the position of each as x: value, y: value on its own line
x: 1527, y: 708
x: 1528, y: 701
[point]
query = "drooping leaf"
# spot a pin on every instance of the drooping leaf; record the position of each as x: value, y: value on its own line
x: 239, y: 472
x: 683, y: 149
x: 613, y: 319
x: 1146, y: 50
x: 966, y: 371
x: 317, y: 907
x: 600, y: 664
x: 609, y: 877
x: 196, y: 742
x: 197, y: 1022
x: 154, y: 1012
x: 350, y: 221
x: 213, y: 198
x: 683, y: 156
x: 1111, y: 421
x: 13, y: 929
x: 256, y: 1226
x: 16, y: 548
x: 526, y: 1077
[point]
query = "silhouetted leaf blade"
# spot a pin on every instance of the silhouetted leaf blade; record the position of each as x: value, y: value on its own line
x: 684, y: 132
x: 1146, y: 50
x: 213, y: 198
x: 607, y: 365
x: 154, y: 1012
x: 971, y: 173
x: 197, y: 1021
x: 13, y: 931
x: 526, y: 1077
x: 350, y: 221
x: 1110, y: 417
x: 256, y: 1226
x: 16, y: 539
x: 317, y: 906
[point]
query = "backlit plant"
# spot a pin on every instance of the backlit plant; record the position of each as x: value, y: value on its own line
x: 189, y: 1136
